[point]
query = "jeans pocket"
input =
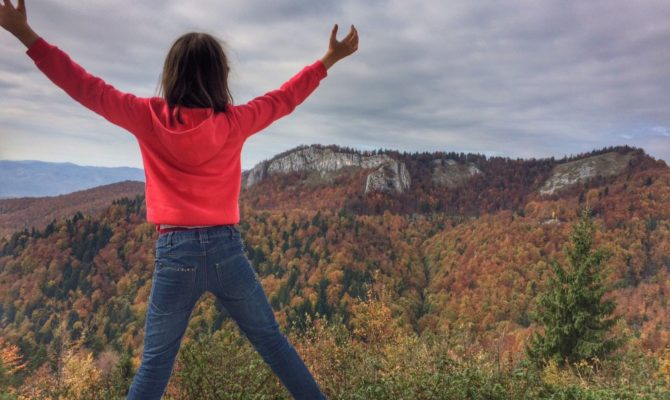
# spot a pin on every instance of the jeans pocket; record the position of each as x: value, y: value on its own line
x: 236, y: 277
x: 172, y: 287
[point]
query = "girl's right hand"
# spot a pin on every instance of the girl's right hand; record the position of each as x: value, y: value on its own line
x: 337, y: 50
x: 15, y: 21
x: 13, y: 18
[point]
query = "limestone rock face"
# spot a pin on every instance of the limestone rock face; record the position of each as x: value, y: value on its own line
x: 255, y: 175
x: 389, y: 177
x: 325, y: 160
x: 579, y: 171
x: 449, y: 173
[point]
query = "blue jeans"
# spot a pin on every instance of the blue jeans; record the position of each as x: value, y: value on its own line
x: 187, y: 264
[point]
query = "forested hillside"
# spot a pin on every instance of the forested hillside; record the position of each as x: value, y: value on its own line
x: 464, y: 262
x: 37, y: 212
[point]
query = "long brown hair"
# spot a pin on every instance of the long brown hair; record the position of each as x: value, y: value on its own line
x: 195, y: 74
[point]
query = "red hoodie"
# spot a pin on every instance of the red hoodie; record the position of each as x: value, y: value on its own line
x: 193, y: 170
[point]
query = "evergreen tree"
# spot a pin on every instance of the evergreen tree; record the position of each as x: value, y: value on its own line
x: 5, y: 381
x: 576, y: 319
x: 121, y: 376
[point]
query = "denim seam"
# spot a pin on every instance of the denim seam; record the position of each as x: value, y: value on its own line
x: 230, y: 257
x: 178, y: 269
x: 204, y: 269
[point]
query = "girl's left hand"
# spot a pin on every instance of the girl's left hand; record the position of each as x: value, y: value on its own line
x: 339, y: 49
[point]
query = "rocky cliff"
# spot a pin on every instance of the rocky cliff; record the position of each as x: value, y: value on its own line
x: 579, y: 171
x: 388, y: 174
x: 449, y: 173
x: 389, y: 177
x: 391, y: 174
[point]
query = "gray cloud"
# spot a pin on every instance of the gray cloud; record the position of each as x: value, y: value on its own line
x: 516, y: 78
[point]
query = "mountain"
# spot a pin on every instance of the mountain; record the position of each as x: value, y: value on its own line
x: 463, y: 242
x: 36, y: 212
x: 39, y: 178
x: 387, y: 173
x: 320, y: 176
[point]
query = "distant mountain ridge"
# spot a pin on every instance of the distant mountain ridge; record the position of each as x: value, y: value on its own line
x: 36, y: 212
x: 38, y: 178
x: 390, y: 168
x: 331, y: 176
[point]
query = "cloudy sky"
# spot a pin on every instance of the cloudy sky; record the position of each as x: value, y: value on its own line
x: 518, y: 78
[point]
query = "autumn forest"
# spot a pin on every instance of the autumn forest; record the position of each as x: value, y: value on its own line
x: 428, y: 293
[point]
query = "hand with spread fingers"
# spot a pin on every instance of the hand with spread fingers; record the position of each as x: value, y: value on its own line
x: 15, y: 21
x: 338, y: 50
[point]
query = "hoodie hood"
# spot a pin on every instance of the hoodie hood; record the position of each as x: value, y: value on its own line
x: 193, y: 141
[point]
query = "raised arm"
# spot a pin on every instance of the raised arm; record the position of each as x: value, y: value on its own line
x: 263, y: 110
x: 122, y: 109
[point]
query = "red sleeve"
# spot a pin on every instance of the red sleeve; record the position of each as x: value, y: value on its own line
x: 122, y: 109
x: 263, y: 110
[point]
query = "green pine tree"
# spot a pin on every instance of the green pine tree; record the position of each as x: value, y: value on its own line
x: 118, y: 382
x: 5, y: 381
x: 577, y: 321
x: 123, y: 373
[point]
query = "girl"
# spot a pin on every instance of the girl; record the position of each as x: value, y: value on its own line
x: 191, y: 138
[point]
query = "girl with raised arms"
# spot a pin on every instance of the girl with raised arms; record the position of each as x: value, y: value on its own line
x: 190, y: 138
